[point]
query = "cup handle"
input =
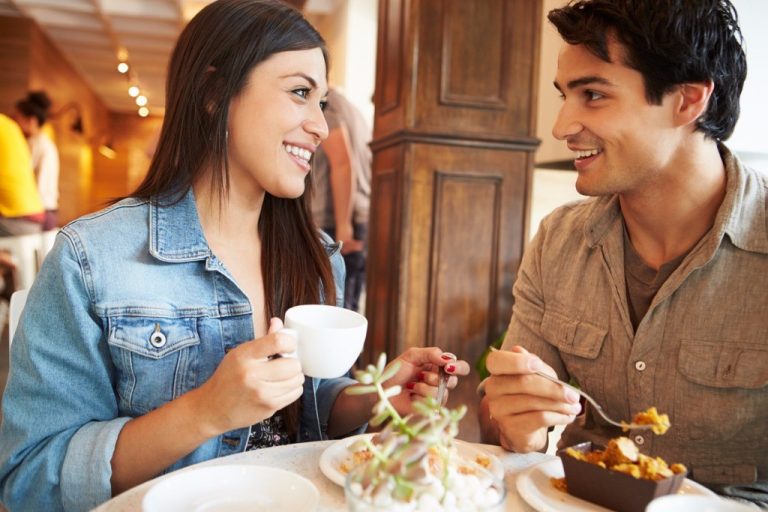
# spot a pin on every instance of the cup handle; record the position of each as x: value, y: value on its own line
x: 295, y: 334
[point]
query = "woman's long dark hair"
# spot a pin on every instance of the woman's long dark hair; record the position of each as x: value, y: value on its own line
x: 209, y: 67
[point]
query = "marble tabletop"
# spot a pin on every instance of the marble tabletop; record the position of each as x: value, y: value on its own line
x: 303, y: 459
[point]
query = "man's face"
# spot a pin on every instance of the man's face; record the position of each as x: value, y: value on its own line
x: 622, y: 143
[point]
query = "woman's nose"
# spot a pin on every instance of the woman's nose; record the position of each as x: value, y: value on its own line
x: 317, y: 125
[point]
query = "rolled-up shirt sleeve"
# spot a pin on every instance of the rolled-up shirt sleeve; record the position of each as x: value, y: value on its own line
x: 528, y: 310
x: 60, y: 412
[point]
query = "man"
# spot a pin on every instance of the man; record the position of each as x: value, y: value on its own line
x: 652, y: 292
x: 342, y: 181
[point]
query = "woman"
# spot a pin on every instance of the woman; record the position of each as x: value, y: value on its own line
x: 145, y: 343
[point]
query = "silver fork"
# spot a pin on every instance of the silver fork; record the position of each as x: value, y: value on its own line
x: 596, y: 406
x: 442, y: 384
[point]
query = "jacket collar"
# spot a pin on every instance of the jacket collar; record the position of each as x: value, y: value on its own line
x: 741, y: 216
x: 176, y: 234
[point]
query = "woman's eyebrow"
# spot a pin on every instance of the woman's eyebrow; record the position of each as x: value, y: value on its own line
x: 306, y: 77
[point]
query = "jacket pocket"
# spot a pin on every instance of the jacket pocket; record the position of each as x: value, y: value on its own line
x: 155, y: 358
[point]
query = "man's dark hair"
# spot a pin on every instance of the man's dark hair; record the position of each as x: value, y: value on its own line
x: 670, y: 42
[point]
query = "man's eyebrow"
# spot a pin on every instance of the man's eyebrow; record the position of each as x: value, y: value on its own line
x: 587, y: 80
x: 306, y: 77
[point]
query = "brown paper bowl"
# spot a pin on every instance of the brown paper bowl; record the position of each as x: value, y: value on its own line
x: 611, y: 489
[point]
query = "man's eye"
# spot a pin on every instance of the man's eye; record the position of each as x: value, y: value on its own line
x: 593, y: 95
x: 302, y: 92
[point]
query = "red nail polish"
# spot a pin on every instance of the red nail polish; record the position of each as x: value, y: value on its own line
x: 450, y: 368
x: 410, y: 385
x: 447, y: 357
x: 421, y: 376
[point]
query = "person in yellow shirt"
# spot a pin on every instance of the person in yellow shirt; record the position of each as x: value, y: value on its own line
x: 21, y: 210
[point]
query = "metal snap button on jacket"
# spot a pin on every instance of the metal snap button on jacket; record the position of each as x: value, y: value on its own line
x: 157, y: 339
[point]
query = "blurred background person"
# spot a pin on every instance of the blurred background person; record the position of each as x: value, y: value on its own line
x: 342, y: 181
x: 31, y: 113
x: 21, y: 210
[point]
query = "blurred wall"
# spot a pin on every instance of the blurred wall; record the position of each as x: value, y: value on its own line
x: 29, y: 61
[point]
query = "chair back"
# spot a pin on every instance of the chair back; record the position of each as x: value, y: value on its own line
x: 18, y: 299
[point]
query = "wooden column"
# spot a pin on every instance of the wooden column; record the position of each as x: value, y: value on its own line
x: 453, y: 145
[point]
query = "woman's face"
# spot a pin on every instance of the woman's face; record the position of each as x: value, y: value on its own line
x: 276, y: 124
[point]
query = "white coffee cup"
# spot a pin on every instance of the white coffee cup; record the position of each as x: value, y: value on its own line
x: 329, y: 338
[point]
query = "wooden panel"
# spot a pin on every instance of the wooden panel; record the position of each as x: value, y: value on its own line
x: 467, y: 80
x: 394, y: 66
x: 464, y: 219
x: 463, y: 284
x: 483, y: 85
x: 382, y: 275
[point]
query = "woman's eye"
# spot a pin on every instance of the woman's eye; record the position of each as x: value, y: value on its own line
x: 301, y: 92
x: 323, y: 105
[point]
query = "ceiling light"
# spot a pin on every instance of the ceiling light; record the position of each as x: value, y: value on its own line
x: 143, y: 111
x: 122, y: 67
x: 141, y: 100
x: 133, y: 91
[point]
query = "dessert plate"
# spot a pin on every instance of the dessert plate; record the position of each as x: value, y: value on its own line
x: 232, y: 488
x: 535, y: 488
x: 336, y: 455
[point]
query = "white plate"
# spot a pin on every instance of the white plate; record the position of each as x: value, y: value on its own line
x: 335, y: 455
x: 232, y: 488
x: 534, y: 488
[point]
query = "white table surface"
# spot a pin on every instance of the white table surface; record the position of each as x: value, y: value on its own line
x: 303, y: 459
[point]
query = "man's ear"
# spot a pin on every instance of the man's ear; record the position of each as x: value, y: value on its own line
x: 693, y: 99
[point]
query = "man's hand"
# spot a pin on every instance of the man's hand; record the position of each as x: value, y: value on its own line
x: 522, y: 405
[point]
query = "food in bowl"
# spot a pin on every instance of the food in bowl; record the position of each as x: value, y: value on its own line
x: 617, y: 476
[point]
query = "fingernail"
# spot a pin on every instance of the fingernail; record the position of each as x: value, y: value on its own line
x: 450, y: 368
x: 535, y: 364
x: 447, y: 356
x: 493, y: 349
x: 571, y: 395
x: 421, y: 376
x: 410, y: 385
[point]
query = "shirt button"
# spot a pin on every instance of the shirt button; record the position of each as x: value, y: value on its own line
x: 639, y: 440
x: 640, y: 366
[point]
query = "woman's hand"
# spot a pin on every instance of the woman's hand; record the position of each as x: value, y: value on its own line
x: 251, y: 384
x: 418, y: 375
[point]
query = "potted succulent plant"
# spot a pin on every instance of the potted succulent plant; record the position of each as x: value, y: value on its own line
x: 413, y: 464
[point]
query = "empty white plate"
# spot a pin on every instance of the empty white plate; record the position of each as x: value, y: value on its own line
x: 232, y: 488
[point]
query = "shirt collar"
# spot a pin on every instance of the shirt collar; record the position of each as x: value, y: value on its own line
x: 742, y: 214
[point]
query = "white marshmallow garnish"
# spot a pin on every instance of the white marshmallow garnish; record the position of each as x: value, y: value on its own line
x: 298, y: 152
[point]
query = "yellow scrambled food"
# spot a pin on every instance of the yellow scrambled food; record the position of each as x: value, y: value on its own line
x: 622, y: 455
x: 659, y: 422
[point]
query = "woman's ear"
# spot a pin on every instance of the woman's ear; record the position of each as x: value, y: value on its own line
x: 692, y: 101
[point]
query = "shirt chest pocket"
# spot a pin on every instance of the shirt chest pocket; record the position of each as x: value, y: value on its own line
x: 155, y: 358
x: 721, y: 391
x: 579, y: 344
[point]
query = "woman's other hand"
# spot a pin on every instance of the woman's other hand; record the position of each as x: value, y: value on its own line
x: 418, y: 375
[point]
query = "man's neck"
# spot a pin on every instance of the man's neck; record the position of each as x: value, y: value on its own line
x: 666, y: 219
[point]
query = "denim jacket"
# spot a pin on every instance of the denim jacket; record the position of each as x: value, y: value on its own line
x: 129, y: 311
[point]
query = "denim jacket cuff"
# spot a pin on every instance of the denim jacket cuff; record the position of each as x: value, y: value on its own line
x: 87, y: 470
